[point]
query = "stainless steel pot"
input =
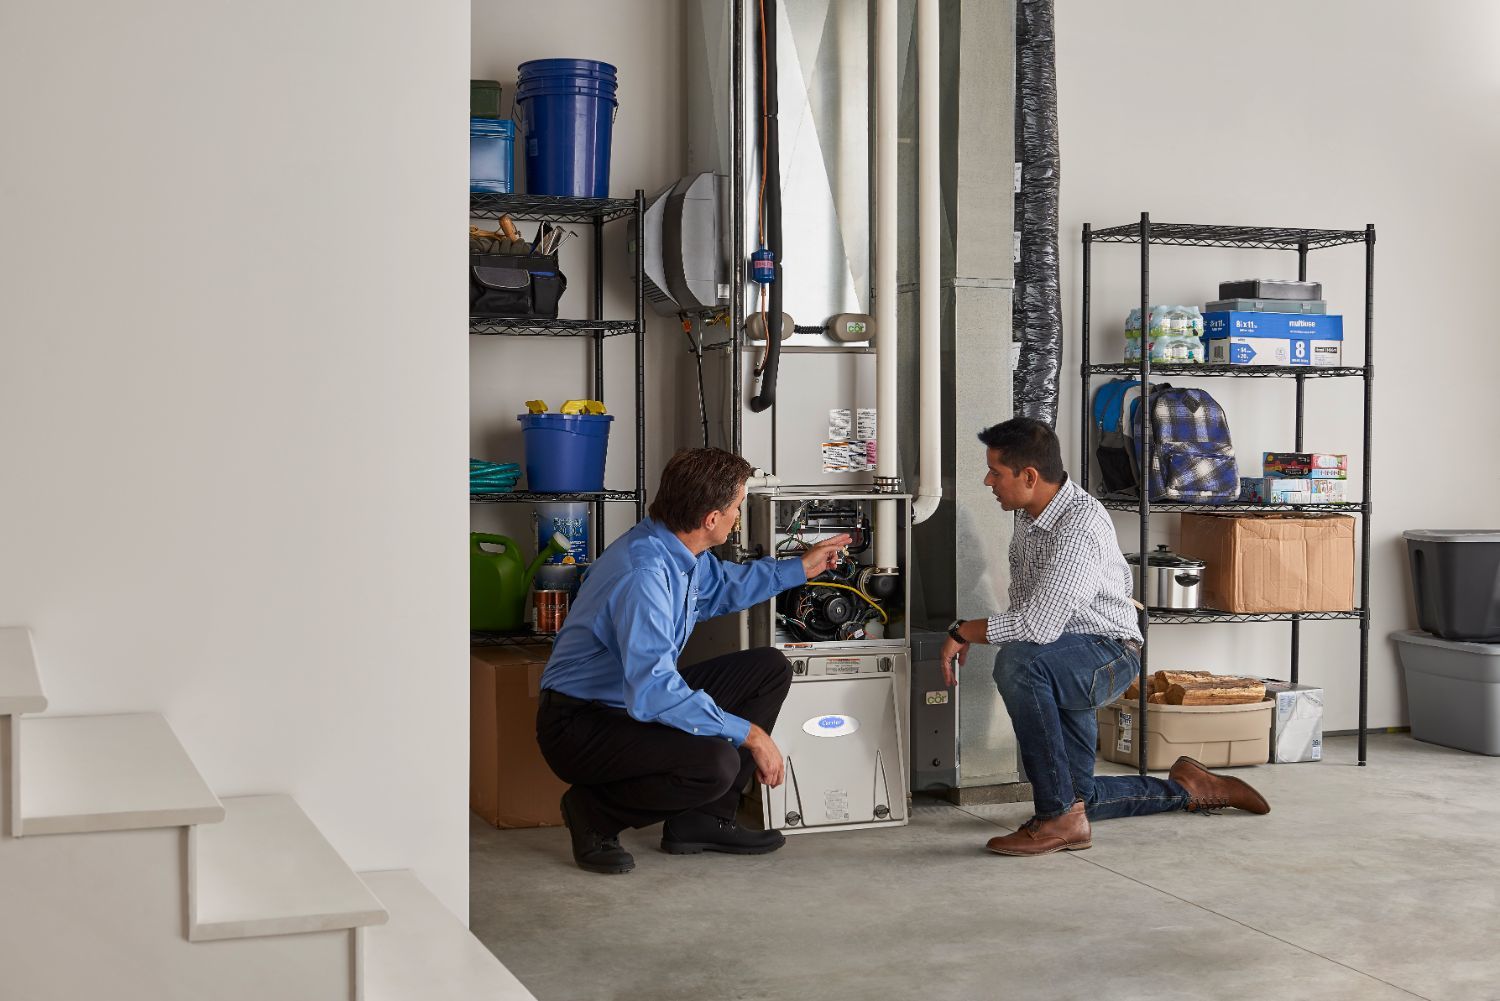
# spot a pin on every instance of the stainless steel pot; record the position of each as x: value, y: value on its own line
x: 1174, y: 583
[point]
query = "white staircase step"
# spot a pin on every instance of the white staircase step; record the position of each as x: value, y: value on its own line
x: 425, y: 953
x: 268, y: 870
x: 108, y: 773
x: 20, y: 685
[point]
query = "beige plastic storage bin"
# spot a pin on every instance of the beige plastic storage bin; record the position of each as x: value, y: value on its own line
x: 1218, y: 736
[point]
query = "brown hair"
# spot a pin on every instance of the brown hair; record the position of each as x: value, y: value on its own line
x: 695, y: 482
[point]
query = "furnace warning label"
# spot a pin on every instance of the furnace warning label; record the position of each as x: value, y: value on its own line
x: 864, y: 426
x: 835, y: 457
x: 836, y: 804
x: 841, y: 665
x: 838, y: 425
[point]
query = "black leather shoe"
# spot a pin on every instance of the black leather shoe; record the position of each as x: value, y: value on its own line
x: 593, y: 851
x: 691, y: 833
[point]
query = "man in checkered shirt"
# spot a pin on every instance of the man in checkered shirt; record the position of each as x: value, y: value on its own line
x: 1069, y: 643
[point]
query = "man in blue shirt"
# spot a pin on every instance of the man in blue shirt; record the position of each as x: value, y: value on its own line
x: 641, y: 741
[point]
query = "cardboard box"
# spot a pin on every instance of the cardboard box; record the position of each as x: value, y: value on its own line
x: 1217, y: 736
x: 1296, y: 723
x: 1306, y: 465
x: 510, y: 784
x: 1283, y: 326
x: 1236, y: 338
x: 1273, y: 563
x: 1274, y: 490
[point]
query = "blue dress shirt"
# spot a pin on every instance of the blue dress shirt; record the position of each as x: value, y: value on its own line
x: 638, y: 602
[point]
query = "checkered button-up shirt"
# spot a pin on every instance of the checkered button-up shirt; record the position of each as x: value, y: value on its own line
x: 1067, y: 575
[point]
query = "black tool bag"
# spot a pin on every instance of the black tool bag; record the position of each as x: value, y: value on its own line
x: 515, y: 286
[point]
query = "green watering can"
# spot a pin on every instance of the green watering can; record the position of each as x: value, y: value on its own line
x: 498, y: 581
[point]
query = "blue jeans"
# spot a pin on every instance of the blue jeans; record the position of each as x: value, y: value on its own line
x: 1051, y: 691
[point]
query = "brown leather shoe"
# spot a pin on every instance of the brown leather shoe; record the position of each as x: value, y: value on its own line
x: 1207, y: 791
x: 1067, y: 833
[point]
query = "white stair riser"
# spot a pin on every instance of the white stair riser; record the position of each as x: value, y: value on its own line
x: 105, y: 916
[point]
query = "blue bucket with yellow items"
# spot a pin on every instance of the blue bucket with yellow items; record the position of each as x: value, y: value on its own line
x: 565, y: 452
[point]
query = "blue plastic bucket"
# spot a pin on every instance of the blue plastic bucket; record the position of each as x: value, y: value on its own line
x: 565, y: 452
x: 491, y: 154
x: 567, y: 110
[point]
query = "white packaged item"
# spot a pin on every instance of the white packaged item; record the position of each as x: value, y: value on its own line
x: 1297, y: 723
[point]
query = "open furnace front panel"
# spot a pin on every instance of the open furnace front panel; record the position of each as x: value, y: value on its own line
x: 845, y: 632
x: 855, y: 604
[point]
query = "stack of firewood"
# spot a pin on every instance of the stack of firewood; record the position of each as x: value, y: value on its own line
x: 1199, y: 688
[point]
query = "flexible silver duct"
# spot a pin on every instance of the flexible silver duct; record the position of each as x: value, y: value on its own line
x: 1036, y: 312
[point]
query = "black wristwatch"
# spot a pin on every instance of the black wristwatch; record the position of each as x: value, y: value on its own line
x: 953, y: 628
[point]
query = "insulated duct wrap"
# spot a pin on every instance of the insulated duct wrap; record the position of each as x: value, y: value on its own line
x: 1036, y: 312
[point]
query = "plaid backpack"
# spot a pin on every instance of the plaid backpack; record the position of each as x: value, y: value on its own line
x: 1192, y: 457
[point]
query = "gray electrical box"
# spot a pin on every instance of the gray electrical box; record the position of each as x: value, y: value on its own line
x: 934, y: 717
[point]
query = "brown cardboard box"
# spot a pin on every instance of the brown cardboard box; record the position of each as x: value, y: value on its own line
x: 509, y: 783
x: 1273, y: 563
x: 1216, y: 736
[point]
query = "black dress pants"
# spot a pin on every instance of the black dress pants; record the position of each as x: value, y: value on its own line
x: 632, y: 774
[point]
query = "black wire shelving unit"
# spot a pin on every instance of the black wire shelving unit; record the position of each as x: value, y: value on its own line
x: 549, y: 328
x: 533, y: 497
x: 515, y: 637
x: 594, y: 212
x: 1300, y: 241
x: 1208, y: 616
x: 553, y: 208
x: 1235, y: 371
x: 1115, y: 503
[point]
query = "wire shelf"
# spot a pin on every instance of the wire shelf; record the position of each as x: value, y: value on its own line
x: 1206, y: 616
x: 549, y: 207
x: 1173, y: 507
x: 533, y: 497
x: 1246, y: 237
x: 517, y: 637
x: 549, y: 328
x: 1230, y: 371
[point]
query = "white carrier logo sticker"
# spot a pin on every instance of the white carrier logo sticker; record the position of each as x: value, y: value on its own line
x: 832, y: 725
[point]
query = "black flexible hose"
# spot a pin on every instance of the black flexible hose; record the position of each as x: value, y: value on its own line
x: 771, y: 137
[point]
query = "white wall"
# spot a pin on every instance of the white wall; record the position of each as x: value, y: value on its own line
x: 232, y: 410
x: 643, y: 40
x: 1332, y: 115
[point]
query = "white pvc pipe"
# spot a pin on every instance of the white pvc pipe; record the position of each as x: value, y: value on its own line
x: 929, y: 268
x: 884, y: 291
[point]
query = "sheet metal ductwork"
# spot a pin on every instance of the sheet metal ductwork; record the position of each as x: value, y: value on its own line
x: 1037, y: 309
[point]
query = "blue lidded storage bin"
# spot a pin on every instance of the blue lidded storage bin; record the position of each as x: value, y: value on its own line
x: 491, y: 154
x: 567, y: 110
x: 565, y: 452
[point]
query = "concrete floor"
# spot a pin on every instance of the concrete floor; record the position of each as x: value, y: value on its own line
x: 1363, y: 883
